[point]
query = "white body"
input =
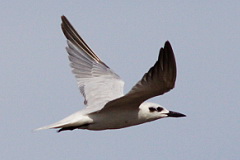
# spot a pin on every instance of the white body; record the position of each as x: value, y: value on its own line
x: 115, y: 118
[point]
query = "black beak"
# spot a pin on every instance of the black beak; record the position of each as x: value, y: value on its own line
x: 175, y: 114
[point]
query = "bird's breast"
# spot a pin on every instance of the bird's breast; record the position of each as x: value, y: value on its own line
x: 114, y: 119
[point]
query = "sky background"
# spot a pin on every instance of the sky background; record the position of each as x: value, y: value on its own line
x: 38, y: 88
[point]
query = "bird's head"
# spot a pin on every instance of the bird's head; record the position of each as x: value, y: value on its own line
x: 153, y: 111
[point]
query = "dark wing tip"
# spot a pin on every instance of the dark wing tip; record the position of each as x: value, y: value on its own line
x: 66, y: 24
x: 171, y: 67
x: 159, y: 79
x: 167, y: 43
x: 63, y: 17
x: 167, y: 64
x: 169, y: 49
x: 172, y: 57
x: 68, y: 30
x: 72, y: 35
x: 64, y: 21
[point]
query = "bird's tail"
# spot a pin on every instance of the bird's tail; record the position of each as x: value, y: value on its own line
x: 52, y: 126
x: 73, y: 121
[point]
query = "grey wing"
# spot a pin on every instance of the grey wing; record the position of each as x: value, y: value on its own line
x: 97, y: 82
x: 159, y: 79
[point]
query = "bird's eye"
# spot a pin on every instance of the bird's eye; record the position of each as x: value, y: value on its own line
x: 152, y: 109
x: 159, y: 109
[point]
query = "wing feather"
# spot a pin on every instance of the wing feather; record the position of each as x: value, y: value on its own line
x: 97, y: 82
x: 158, y: 80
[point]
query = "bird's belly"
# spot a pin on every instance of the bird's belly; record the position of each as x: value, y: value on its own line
x: 114, y: 120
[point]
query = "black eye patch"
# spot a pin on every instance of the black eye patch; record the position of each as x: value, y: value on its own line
x: 152, y: 109
x: 159, y: 109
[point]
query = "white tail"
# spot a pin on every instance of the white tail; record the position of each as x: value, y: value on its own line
x: 74, y: 120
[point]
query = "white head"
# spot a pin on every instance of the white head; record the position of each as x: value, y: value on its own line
x: 152, y: 111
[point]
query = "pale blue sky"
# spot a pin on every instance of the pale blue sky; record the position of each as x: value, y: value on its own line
x: 38, y: 88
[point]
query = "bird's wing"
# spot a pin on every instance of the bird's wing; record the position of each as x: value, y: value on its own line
x: 158, y: 80
x: 97, y: 82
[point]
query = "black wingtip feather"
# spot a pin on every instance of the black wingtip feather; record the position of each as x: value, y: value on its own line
x: 167, y: 43
x: 172, y: 61
x: 167, y: 62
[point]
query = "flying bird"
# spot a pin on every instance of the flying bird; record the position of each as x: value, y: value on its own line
x: 106, y: 105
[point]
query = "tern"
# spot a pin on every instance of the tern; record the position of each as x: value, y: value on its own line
x: 106, y: 105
